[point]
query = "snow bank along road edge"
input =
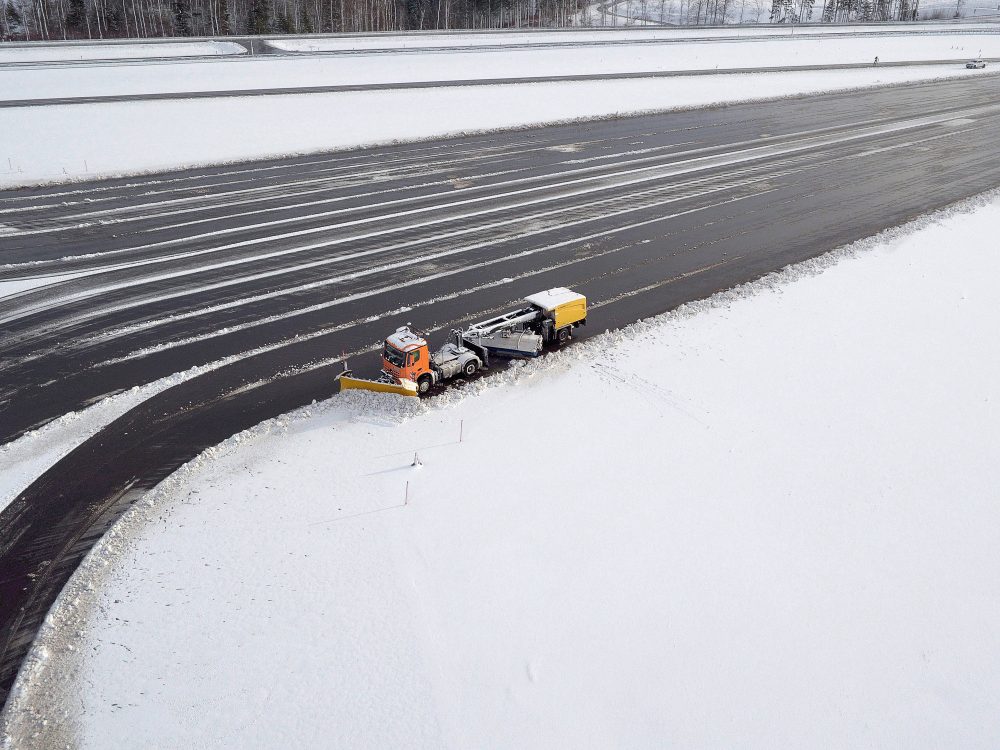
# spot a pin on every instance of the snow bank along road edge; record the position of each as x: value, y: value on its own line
x: 295, y: 261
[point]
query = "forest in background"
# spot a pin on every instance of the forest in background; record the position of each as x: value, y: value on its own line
x: 115, y: 19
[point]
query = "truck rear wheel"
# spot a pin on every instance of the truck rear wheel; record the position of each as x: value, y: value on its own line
x: 424, y: 383
x: 471, y: 367
x: 563, y: 335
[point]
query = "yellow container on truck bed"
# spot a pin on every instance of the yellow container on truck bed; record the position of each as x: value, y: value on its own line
x: 564, y: 306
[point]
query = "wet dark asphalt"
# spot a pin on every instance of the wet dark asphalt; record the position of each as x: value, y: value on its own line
x: 640, y: 214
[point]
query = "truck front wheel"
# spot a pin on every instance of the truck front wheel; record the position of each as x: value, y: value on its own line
x: 424, y: 383
x: 563, y: 335
x: 471, y: 367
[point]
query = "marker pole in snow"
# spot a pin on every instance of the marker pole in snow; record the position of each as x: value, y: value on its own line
x: 406, y: 497
x: 461, y: 429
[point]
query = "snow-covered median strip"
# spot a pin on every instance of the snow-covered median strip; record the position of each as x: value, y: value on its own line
x: 136, y: 137
x: 769, y: 519
x: 136, y: 51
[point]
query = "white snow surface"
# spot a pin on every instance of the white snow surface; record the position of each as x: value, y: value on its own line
x: 586, y: 58
x: 44, y: 52
x: 466, y: 39
x: 773, y: 523
x: 137, y: 137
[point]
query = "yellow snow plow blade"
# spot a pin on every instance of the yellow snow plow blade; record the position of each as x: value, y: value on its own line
x: 402, y: 388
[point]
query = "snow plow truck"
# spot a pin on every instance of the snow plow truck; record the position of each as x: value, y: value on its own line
x: 409, y: 368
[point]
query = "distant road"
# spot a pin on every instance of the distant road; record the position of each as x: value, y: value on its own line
x: 281, y: 267
x: 435, y: 84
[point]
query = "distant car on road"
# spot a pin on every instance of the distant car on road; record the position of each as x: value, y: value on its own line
x: 976, y: 64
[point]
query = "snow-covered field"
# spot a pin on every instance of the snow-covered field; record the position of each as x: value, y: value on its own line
x: 597, y: 33
x: 766, y: 520
x: 56, y: 143
x: 588, y: 58
x: 133, y: 51
x: 763, y: 51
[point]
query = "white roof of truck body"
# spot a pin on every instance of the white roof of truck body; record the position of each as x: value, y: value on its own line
x: 551, y: 299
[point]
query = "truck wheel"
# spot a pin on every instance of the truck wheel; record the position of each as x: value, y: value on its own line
x: 424, y: 383
x: 471, y: 367
x: 563, y: 335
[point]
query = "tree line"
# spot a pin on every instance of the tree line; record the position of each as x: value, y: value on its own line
x: 116, y: 19
x: 112, y: 19
x: 844, y: 11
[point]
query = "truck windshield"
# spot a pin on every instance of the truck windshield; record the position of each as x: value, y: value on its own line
x: 394, y: 356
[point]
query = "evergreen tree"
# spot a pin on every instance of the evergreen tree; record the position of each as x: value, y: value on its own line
x: 13, y: 22
x: 76, y: 19
x: 114, y: 21
x: 305, y: 22
x: 259, y: 19
x: 414, y: 14
x: 182, y: 17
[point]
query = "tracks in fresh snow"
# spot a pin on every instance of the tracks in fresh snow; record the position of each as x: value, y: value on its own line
x: 269, y: 271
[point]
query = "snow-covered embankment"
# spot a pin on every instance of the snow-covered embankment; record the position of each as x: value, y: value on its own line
x: 68, y: 52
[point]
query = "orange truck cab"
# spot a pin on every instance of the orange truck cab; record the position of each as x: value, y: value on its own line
x: 405, y: 355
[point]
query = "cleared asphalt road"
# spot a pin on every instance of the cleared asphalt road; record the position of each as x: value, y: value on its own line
x: 272, y: 270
